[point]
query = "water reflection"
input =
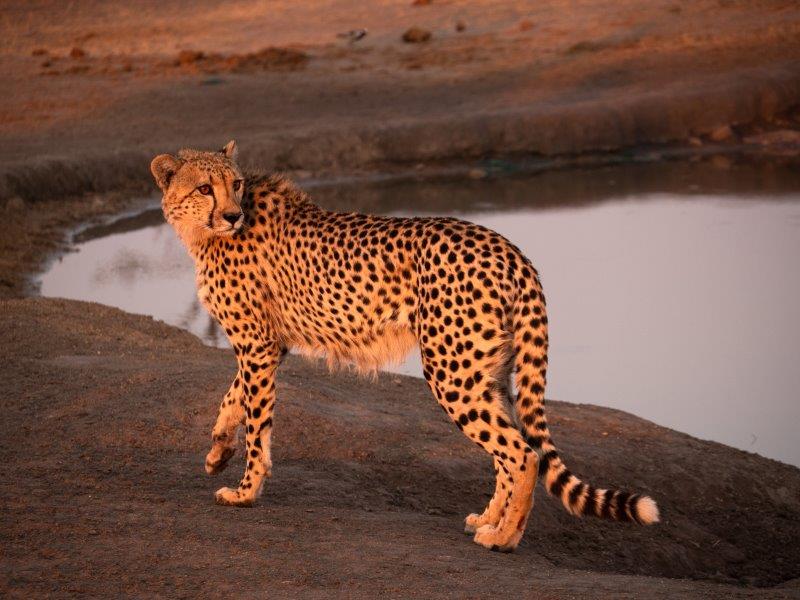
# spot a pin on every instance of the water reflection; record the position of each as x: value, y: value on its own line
x: 672, y: 288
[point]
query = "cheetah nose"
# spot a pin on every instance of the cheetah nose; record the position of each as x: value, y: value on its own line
x: 232, y: 218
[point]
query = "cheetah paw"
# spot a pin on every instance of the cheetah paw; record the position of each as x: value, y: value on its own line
x: 473, y: 522
x: 491, y: 537
x: 228, y: 497
x: 217, y: 460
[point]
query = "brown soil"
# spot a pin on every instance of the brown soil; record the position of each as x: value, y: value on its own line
x: 100, y: 87
x: 106, y: 420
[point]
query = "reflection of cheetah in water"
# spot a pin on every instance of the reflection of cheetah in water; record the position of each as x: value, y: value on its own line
x: 279, y: 272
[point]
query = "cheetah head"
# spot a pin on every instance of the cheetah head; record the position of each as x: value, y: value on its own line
x: 202, y: 192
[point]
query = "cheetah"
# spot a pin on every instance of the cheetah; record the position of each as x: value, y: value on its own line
x: 280, y: 273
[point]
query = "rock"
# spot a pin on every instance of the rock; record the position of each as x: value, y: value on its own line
x: 354, y: 35
x: 721, y: 134
x: 77, y: 53
x: 15, y: 203
x: 272, y: 58
x: 76, y: 69
x: 416, y: 35
x: 525, y: 25
x: 422, y: 3
x: 39, y: 52
x: 460, y: 25
x: 188, y: 57
x: 476, y: 173
x: 695, y: 141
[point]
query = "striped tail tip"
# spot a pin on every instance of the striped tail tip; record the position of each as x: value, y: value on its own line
x: 647, y: 511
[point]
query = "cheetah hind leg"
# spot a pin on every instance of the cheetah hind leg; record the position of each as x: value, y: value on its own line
x: 506, y: 535
x: 496, y: 507
x: 480, y: 414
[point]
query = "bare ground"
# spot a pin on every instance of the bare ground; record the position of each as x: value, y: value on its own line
x: 105, y: 421
x: 95, y: 89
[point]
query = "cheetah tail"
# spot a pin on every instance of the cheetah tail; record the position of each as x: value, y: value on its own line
x: 530, y: 345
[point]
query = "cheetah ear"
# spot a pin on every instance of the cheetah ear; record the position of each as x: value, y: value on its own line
x: 230, y: 150
x: 163, y: 168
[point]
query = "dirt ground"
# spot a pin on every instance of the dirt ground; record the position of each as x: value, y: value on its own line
x: 105, y: 423
x: 94, y: 89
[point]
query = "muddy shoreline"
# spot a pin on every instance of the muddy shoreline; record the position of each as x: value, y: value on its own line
x: 562, y: 134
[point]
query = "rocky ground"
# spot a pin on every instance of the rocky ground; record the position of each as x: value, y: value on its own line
x: 105, y: 423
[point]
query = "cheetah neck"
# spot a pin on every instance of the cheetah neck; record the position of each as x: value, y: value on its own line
x: 194, y: 239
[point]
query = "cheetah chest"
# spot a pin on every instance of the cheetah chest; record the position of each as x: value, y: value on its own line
x: 204, y: 292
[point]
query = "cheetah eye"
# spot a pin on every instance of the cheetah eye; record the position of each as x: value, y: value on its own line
x: 237, y: 185
x: 205, y: 190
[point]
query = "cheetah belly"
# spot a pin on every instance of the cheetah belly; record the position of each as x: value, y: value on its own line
x: 388, y: 342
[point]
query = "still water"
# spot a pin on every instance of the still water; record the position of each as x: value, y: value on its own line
x: 673, y: 289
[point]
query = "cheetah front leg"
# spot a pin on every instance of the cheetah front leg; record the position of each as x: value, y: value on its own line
x: 258, y: 361
x: 223, y: 436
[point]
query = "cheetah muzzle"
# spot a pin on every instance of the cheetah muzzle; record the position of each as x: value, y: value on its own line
x: 279, y: 272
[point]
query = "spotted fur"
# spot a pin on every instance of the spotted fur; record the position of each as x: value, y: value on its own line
x: 364, y: 290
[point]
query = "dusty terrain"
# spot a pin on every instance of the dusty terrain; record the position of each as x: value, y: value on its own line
x: 94, y: 89
x: 105, y: 420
